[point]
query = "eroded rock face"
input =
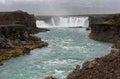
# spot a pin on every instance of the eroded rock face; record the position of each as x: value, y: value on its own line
x: 99, y: 18
x: 18, y: 18
x: 106, y: 30
x: 15, y: 30
x: 107, y: 67
x: 117, y: 44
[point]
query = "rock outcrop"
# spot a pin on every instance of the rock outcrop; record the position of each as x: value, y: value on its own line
x: 15, y: 30
x: 107, y: 67
x: 50, y: 77
x: 107, y: 29
x: 98, y: 18
x: 18, y: 18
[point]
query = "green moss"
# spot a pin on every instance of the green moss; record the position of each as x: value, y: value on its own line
x: 18, y: 51
x: 33, y: 46
x: 117, y: 44
x: 11, y: 53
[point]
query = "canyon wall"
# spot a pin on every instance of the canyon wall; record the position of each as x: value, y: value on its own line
x: 15, y: 30
x: 18, y: 18
x: 107, y: 29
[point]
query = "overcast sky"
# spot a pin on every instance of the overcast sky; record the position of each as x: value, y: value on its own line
x: 51, y: 7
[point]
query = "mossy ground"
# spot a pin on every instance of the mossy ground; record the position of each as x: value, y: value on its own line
x: 117, y: 44
x: 21, y: 51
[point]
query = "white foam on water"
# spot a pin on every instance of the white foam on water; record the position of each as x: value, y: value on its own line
x: 59, y: 73
x: 64, y: 22
x: 73, y: 47
x: 41, y: 23
x: 67, y: 48
x: 56, y: 61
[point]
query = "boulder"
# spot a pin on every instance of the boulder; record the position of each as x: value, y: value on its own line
x: 50, y: 77
x: 1, y: 64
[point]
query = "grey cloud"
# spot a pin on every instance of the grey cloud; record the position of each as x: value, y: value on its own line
x: 50, y: 7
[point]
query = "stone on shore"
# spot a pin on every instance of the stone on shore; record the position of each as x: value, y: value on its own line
x: 50, y: 77
x: 107, y: 67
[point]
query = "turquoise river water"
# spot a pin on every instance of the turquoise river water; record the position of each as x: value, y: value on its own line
x: 67, y: 48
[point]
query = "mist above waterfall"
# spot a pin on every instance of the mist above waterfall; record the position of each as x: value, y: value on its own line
x: 64, y: 22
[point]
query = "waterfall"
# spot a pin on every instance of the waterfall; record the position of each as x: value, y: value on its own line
x: 64, y: 22
x: 41, y: 23
x: 53, y: 22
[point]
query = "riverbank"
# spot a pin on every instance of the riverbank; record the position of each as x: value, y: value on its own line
x: 107, y: 67
x: 106, y: 29
x: 15, y: 38
x: 103, y: 28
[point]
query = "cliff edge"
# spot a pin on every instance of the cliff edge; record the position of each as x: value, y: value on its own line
x: 106, y: 30
x: 15, y: 30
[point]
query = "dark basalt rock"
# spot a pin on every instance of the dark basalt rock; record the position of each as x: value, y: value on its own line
x: 107, y: 67
x: 18, y: 18
x: 88, y: 28
x: 50, y: 77
x: 117, y: 44
x: 1, y: 64
x: 106, y: 30
x: 15, y: 30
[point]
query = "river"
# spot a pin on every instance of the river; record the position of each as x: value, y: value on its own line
x: 67, y: 48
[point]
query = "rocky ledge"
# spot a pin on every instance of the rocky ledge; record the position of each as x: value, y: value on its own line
x: 107, y: 67
x: 107, y: 29
x: 15, y: 30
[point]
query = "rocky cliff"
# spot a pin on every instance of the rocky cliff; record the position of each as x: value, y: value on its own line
x: 107, y: 67
x: 15, y: 30
x: 99, y: 18
x: 107, y: 29
x: 18, y: 17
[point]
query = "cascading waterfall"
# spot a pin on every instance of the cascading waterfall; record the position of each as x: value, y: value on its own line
x: 72, y: 21
x: 53, y: 21
x: 41, y: 23
x: 65, y: 22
